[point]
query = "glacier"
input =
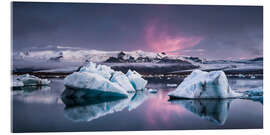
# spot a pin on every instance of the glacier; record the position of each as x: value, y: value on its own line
x: 104, y: 81
x: 28, y: 80
x: 204, y: 85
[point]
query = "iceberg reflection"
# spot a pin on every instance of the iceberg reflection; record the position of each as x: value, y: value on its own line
x: 36, y: 94
x: 213, y: 110
x: 80, y: 107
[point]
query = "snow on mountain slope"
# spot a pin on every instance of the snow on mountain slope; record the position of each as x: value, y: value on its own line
x: 83, y: 55
x: 63, y: 58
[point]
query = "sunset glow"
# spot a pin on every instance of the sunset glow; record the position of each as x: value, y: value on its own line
x: 159, y: 39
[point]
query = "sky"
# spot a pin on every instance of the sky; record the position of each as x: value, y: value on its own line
x: 212, y: 32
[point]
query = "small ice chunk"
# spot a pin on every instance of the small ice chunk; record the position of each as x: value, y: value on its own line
x: 152, y: 90
x: 17, y: 83
x: 95, y: 82
x: 122, y: 80
x: 136, y: 80
x: 29, y: 80
x: 241, y: 76
x: 200, y: 84
x: 171, y: 85
x: 254, y: 94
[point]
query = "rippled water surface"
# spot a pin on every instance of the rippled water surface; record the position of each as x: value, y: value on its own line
x: 41, y: 109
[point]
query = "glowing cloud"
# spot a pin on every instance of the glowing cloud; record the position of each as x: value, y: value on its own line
x: 159, y: 39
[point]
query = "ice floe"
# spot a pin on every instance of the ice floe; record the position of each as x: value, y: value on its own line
x: 152, y: 90
x: 200, y: 85
x: 255, y: 94
x: 28, y: 80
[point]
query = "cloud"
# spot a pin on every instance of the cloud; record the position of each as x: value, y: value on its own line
x: 159, y: 39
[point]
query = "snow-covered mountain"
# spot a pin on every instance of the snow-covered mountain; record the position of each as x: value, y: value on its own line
x: 63, y: 59
x: 100, y: 56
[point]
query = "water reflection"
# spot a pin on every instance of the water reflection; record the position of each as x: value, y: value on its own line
x: 79, y: 107
x: 36, y: 94
x: 213, y: 110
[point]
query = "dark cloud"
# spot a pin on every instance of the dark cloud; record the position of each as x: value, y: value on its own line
x: 224, y: 31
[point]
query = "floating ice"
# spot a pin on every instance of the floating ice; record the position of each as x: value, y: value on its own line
x: 152, y: 90
x: 28, y: 80
x: 171, y: 85
x: 102, y: 70
x: 213, y: 110
x: 255, y: 94
x: 94, y: 82
x: 121, y: 79
x: 101, y: 79
x: 16, y: 83
x: 200, y: 84
x: 136, y: 80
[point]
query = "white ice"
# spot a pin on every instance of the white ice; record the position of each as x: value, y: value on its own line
x: 104, y: 79
x: 152, y: 90
x: 93, y: 81
x: 122, y: 80
x: 200, y: 84
x: 28, y: 80
x: 136, y: 80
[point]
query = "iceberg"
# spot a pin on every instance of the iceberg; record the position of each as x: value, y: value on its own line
x: 204, y: 85
x: 97, y: 84
x: 213, y: 110
x: 17, y: 83
x: 136, y: 80
x: 152, y: 90
x: 102, y: 81
x: 102, y: 70
x: 121, y: 79
x: 28, y: 80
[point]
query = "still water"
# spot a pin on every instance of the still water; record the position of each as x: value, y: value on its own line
x: 42, y: 110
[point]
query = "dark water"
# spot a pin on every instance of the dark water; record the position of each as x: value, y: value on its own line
x: 42, y: 110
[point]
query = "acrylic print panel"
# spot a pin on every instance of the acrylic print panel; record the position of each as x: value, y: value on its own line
x: 132, y: 67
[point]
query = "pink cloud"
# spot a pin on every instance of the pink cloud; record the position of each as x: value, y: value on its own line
x: 159, y: 39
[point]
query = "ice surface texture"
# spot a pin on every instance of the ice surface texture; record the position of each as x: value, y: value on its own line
x: 204, y: 85
x: 255, y: 94
x: 28, y: 80
x: 101, y: 78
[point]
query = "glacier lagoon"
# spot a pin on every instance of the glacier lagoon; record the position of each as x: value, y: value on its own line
x: 41, y: 109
